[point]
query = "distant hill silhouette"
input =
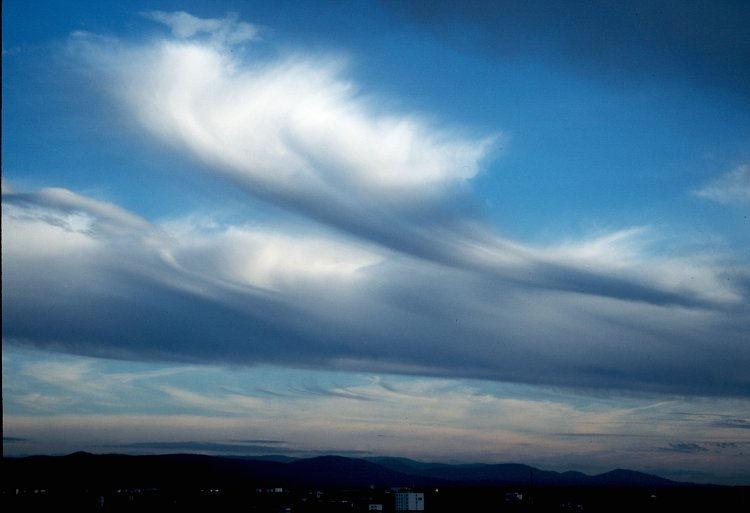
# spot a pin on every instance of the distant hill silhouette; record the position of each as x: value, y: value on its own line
x: 515, y: 473
x: 184, y: 470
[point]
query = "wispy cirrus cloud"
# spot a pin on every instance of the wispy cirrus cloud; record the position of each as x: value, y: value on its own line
x: 731, y: 188
x: 295, y: 131
x: 228, y: 30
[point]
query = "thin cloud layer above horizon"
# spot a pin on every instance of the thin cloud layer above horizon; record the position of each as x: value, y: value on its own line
x: 324, y: 223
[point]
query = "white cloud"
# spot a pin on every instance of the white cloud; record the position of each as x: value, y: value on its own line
x: 82, y: 209
x: 293, y: 127
x: 730, y: 188
x: 226, y: 403
x: 626, y: 255
x: 228, y: 30
x: 274, y: 260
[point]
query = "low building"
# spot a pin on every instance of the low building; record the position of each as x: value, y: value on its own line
x: 409, y: 501
x: 375, y: 507
x: 513, y: 498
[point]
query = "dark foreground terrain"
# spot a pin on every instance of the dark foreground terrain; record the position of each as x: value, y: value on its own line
x: 330, y: 484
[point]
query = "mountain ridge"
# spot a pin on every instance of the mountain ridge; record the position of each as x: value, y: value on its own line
x: 197, y: 469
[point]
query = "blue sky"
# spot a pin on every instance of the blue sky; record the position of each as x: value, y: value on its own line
x: 222, y: 210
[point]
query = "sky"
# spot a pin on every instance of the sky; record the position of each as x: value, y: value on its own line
x: 454, y: 232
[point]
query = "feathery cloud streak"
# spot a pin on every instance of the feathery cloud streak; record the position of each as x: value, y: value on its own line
x: 731, y: 188
x: 87, y: 277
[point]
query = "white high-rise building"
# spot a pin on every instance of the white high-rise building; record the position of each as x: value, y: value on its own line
x: 409, y: 501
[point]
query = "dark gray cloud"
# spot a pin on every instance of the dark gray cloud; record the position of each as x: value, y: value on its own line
x: 705, y: 43
x: 606, y: 435
x: 263, y: 442
x: 716, y: 447
x: 700, y: 415
x: 14, y: 440
x: 192, y: 446
x: 333, y: 392
x: 684, y: 447
x: 308, y: 390
x: 733, y: 423
x: 244, y: 449
x: 727, y: 445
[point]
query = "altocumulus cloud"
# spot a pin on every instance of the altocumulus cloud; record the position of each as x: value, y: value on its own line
x: 382, y: 274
